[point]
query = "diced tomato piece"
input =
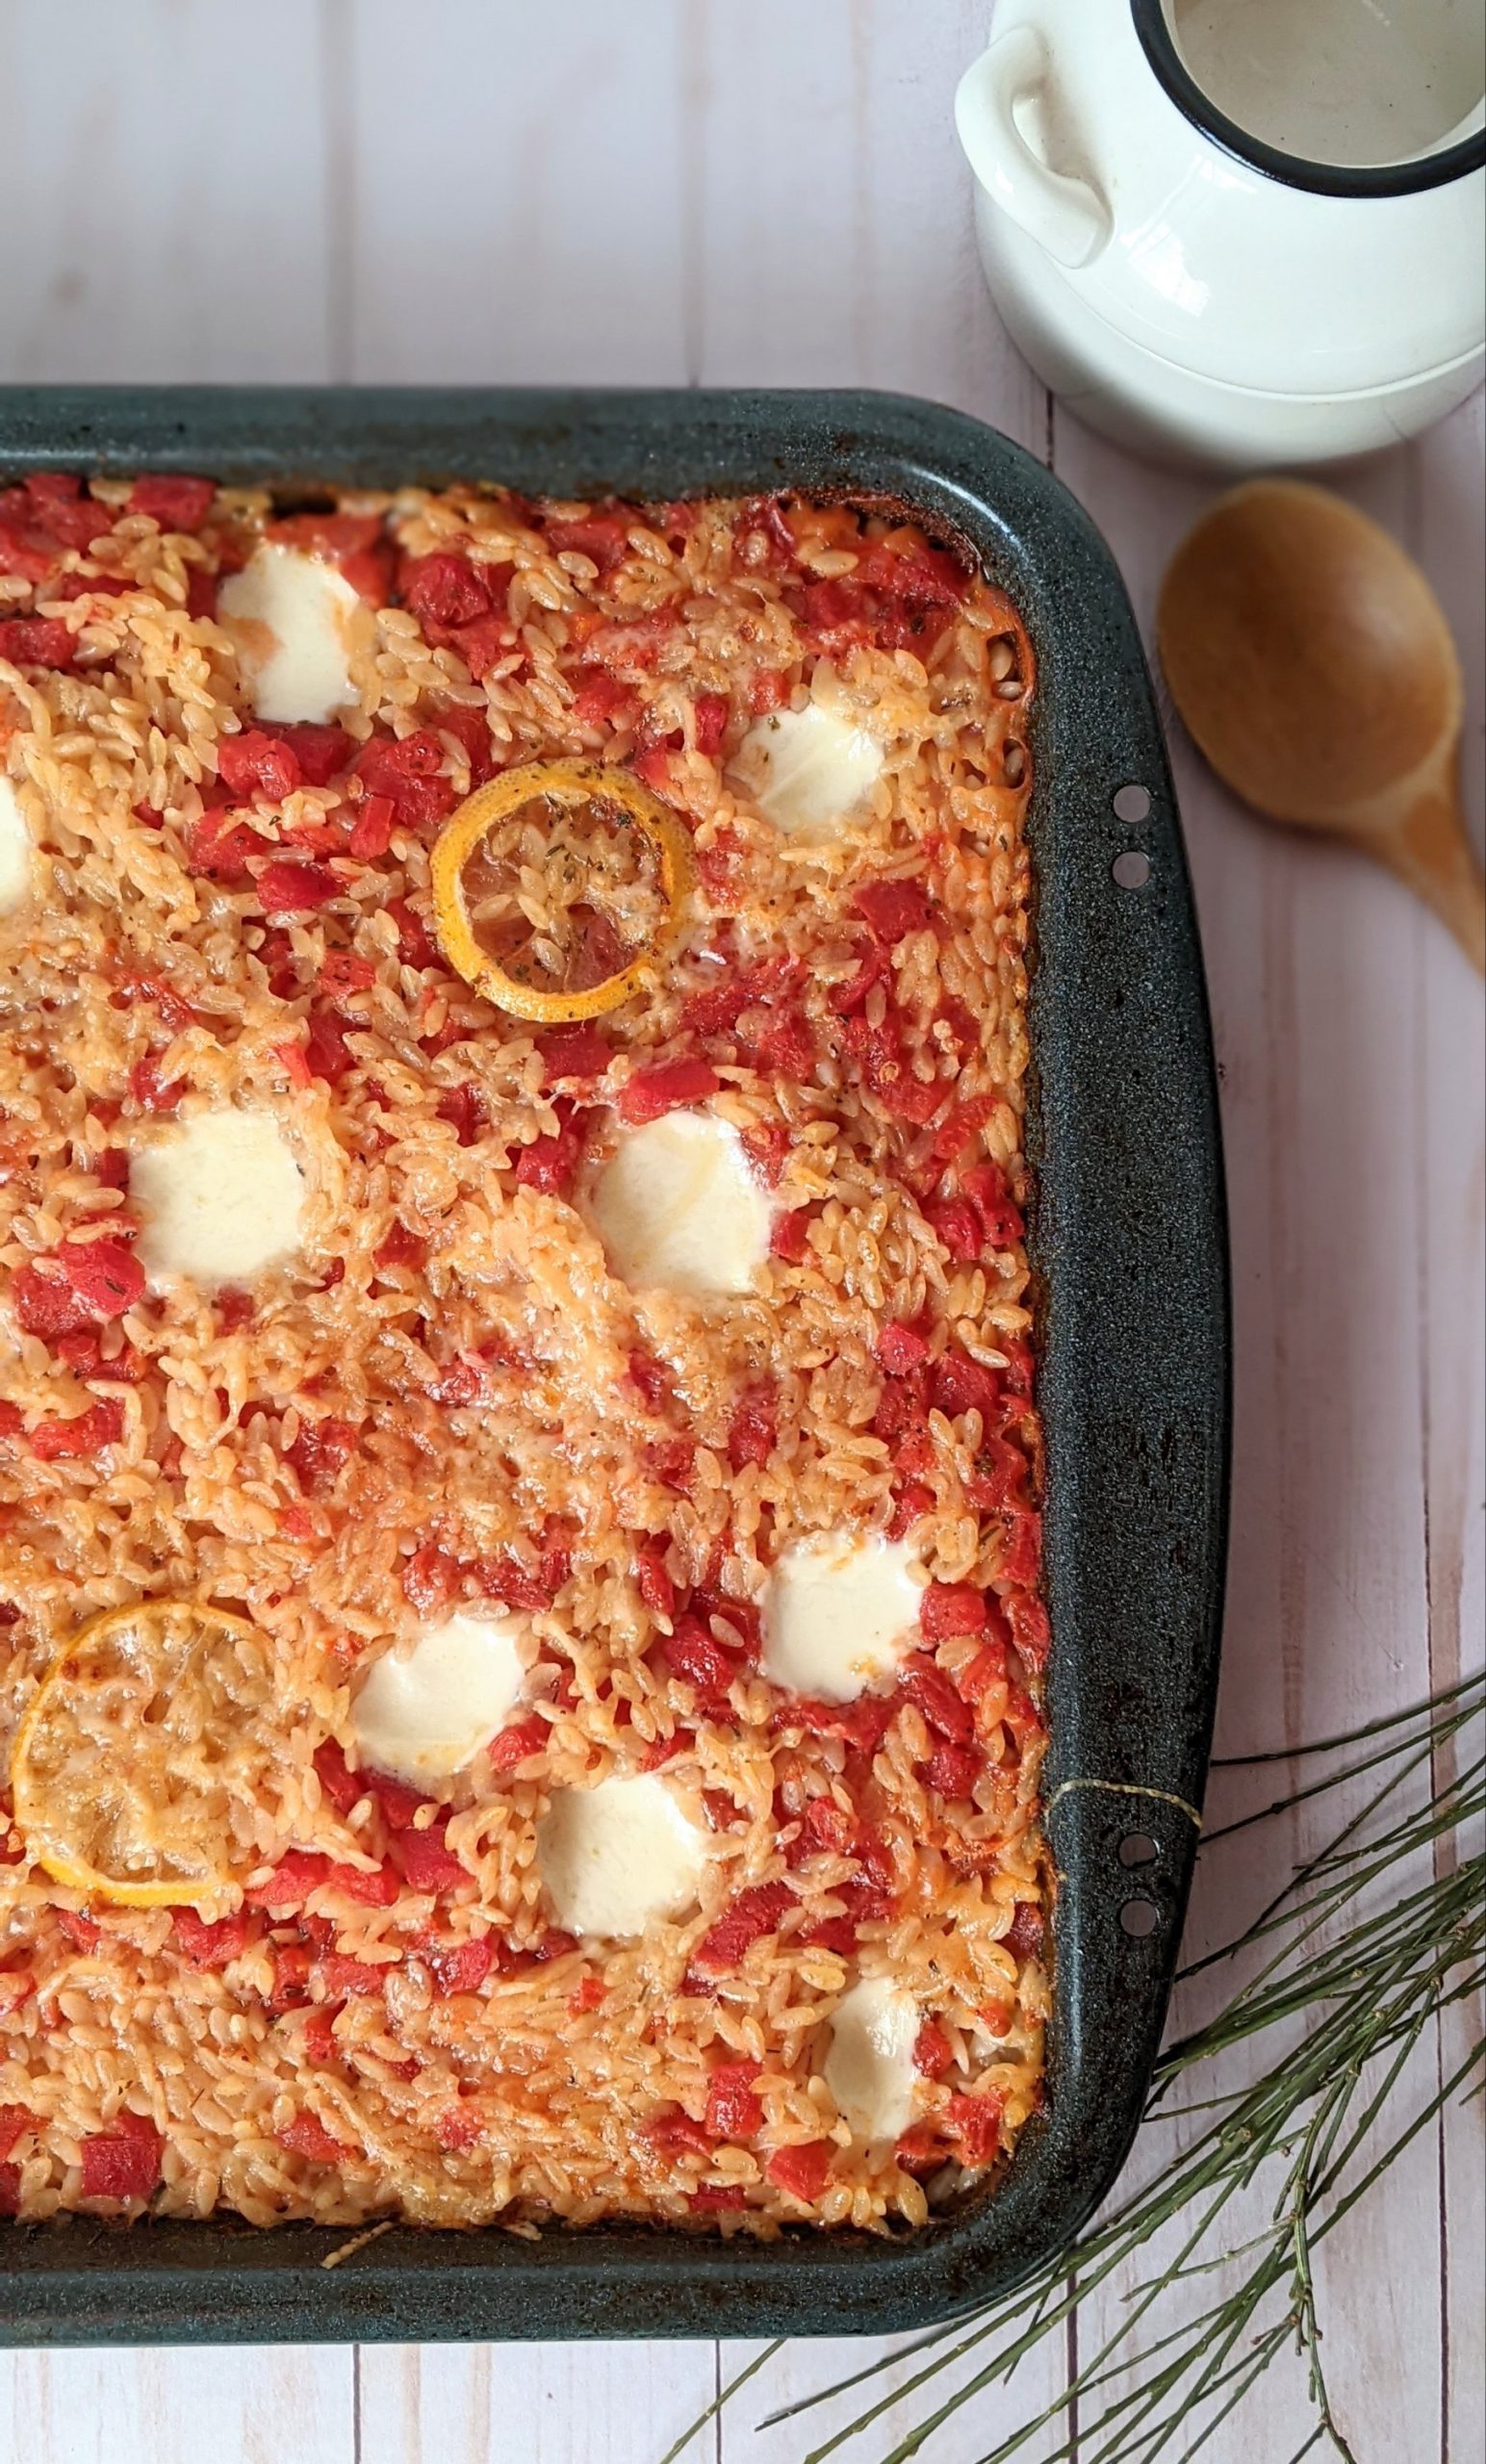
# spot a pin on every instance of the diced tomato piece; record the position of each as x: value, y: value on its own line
x: 803, y: 2171
x: 483, y: 645
x: 1019, y: 1364
x: 471, y: 729
x: 1000, y: 1217
x: 428, y: 1864
x: 589, y: 1995
x: 602, y: 700
x: 77, y: 1440
x: 415, y: 948
x: 110, y: 1169
x: 864, y: 1724
x: 258, y: 764
x: 401, y: 1249
x: 768, y: 689
x: 91, y: 586
x: 1031, y: 1630
x: 693, y: 1654
x: 372, y: 830
x: 17, y: 1986
x: 307, y: 2136
x: 12, y: 1420
x: 663, y: 1087
x: 514, y: 1745
x: 459, y: 2129
x: 962, y: 1384
x: 954, y: 1222
x: 446, y: 590
x: 712, y: 714
x: 710, y: 2199
x: 573, y: 1052
x: 655, y: 1587
x: 320, y: 1453
x: 949, y: 1608
x: 297, y: 1873
x: 831, y: 1828
x: 920, y: 2151
x: 46, y: 1303
x: 176, y: 503
x: 1023, y: 1937
x: 342, y: 974
x: 900, y: 1349
x: 327, y: 1056
x: 952, y: 1769
x: 789, y: 1237
x: 209, y: 1945
x: 549, y: 1163
x: 753, y: 1430
x: 340, y: 1975
x: 836, y: 1934
x: 1024, y: 1551
x: 430, y: 1577
x: 36, y: 641
x: 987, y: 1670
x: 293, y: 889
x: 912, y: 569
x: 291, y: 1964
x: 408, y: 770
x: 125, y: 2161
x: 320, y: 751
x: 933, y: 2052
x: 459, y: 1968
x: 747, y: 1918
x: 732, y: 2110
x: 651, y: 1377
x: 14, y: 2122
x: 463, y: 1108
x: 219, y: 847
x: 672, y: 2134
x: 892, y: 909
x: 931, y: 1691
x: 399, y: 1803
x: 82, y: 1930
x: 376, y: 1889
x: 976, y: 2122
x: 342, y: 1786
x: 603, y: 537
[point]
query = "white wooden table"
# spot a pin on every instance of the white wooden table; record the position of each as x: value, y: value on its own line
x: 768, y: 191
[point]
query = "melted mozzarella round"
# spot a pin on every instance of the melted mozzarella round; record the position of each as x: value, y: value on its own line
x: 220, y: 1198
x: 15, y: 850
x: 809, y: 770
x: 679, y: 1210
x: 839, y: 1612
x: 423, y: 1713
x: 291, y: 617
x: 869, y: 2069
x: 617, y: 1856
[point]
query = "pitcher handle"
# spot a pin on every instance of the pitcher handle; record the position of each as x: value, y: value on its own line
x: 1067, y: 216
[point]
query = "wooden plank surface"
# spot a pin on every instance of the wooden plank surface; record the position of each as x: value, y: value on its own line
x: 694, y: 190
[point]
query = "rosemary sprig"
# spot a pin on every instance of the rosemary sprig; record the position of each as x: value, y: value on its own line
x: 1370, y: 1983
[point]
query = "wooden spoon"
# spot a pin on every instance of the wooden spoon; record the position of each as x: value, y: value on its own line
x: 1312, y: 662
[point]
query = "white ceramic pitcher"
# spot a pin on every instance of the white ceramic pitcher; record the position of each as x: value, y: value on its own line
x: 1188, y: 284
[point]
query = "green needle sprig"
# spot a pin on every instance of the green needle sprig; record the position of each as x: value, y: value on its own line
x: 1350, y: 1968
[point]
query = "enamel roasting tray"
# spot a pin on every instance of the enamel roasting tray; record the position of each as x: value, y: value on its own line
x: 1128, y: 1244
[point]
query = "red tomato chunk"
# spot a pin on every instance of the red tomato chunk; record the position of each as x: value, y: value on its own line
x: 732, y: 2110
x: 209, y: 1944
x: 752, y: 1915
x: 176, y: 503
x: 428, y: 1863
x: 665, y: 1086
x: 293, y: 889
x: 307, y: 2136
x: 803, y: 2171
x: 36, y: 641
x: 258, y: 764
x: 949, y: 1609
x: 125, y: 2161
x: 79, y: 1440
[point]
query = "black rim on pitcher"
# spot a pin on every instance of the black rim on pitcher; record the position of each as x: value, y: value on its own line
x: 1326, y: 179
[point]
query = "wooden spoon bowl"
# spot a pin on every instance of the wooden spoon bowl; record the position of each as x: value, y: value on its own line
x: 1314, y: 666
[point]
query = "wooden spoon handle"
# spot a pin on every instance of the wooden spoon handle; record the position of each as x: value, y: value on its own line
x: 1428, y: 848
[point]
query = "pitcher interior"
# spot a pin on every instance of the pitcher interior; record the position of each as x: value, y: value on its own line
x: 1351, y: 83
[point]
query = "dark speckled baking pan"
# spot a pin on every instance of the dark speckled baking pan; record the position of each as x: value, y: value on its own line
x: 1129, y: 1246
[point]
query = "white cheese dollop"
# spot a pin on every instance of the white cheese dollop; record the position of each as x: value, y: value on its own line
x: 291, y: 617
x: 15, y: 850
x: 617, y: 1856
x: 219, y: 1199
x: 679, y: 1210
x: 839, y: 1612
x: 807, y: 770
x: 423, y: 1713
x: 869, y: 2069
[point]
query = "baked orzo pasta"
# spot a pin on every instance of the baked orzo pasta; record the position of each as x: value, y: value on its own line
x: 519, y: 1482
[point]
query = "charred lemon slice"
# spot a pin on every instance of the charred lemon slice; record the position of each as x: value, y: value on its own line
x: 558, y: 889
x: 144, y: 1771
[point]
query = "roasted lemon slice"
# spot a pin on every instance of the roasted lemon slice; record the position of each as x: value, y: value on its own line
x: 146, y: 1770
x: 558, y: 889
